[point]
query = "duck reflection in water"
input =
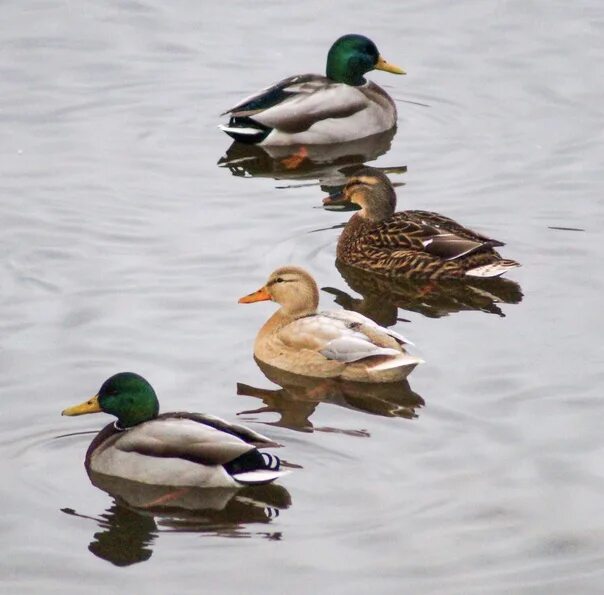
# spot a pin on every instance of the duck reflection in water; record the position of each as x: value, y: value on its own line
x: 299, y: 397
x: 381, y: 297
x: 140, y: 513
x: 330, y: 164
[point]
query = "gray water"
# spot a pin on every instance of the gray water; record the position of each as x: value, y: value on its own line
x: 125, y: 247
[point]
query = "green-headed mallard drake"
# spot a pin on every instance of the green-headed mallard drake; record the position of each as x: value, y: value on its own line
x: 413, y: 244
x: 174, y: 449
x: 333, y: 344
x: 315, y: 110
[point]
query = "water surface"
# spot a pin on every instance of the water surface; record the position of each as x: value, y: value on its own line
x: 125, y: 247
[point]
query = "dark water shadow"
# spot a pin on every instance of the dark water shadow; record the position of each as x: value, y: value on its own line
x: 381, y: 297
x: 140, y: 512
x: 330, y: 164
x: 299, y: 396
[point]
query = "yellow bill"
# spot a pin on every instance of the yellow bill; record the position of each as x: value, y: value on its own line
x: 90, y: 406
x: 387, y: 67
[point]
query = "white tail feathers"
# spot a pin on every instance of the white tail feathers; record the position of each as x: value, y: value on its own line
x: 494, y: 269
x: 401, y: 359
x: 400, y: 338
x: 259, y: 476
x: 237, y: 130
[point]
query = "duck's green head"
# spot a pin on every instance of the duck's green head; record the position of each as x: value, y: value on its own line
x: 126, y: 395
x: 351, y: 56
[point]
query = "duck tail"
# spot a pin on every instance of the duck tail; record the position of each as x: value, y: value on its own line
x: 493, y: 269
x: 397, y: 361
x: 245, y: 130
x: 259, y: 477
x: 255, y: 468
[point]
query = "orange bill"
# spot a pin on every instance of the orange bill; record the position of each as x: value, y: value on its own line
x: 258, y: 296
x: 387, y: 67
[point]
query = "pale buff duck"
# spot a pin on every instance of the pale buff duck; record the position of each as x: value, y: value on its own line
x: 333, y: 344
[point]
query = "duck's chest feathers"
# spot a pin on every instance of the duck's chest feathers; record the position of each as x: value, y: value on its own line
x: 354, y: 239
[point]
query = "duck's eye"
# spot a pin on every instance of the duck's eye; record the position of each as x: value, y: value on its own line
x: 279, y: 280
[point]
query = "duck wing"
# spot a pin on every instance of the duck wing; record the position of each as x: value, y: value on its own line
x: 296, y: 103
x: 268, y: 96
x: 194, y: 437
x: 242, y: 432
x: 338, y: 338
x: 430, y: 233
x: 351, y: 317
x: 447, y: 224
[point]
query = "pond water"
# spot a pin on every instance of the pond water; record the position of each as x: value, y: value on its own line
x: 125, y: 245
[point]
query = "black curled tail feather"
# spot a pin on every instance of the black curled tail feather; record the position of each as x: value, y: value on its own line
x: 273, y: 462
x: 247, y: 123
x: 252, y: 460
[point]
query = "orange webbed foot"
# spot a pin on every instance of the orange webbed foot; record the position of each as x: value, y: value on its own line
x: 294, y: 161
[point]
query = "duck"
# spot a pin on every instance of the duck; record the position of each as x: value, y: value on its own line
x: 311, y: 109
x: 332, y: 344
x: 179, y: 449
x: 411, y: 244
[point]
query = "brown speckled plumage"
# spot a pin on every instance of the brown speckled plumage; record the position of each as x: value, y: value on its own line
x: 412, y: 244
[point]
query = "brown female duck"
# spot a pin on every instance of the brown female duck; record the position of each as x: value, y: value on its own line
x: 334, y: 344
x: 412, y: 244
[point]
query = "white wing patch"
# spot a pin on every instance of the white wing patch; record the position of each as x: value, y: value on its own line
x: 494, y: 269
x: 347, y: 316
x: 338, y: 336
x: 353, y: 348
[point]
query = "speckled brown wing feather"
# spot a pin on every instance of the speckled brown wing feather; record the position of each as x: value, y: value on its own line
x: 430, y: 233
x: 410, y: 263
x: 441, y: 222
x: 417, y: 244
x: 398, y: 233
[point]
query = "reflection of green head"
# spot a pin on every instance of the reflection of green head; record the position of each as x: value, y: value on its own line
x: 126, y: 538
x: 129, y: 397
